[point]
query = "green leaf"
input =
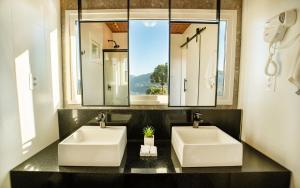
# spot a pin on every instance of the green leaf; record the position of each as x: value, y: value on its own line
x: 148, y: 131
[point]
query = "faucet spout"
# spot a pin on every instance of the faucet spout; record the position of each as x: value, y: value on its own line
x: 197, y: 120
x: 196, y: 124
x: 101, y: 120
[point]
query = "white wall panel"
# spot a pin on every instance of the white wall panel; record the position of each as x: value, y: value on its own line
x: 271, y: 121
x: 26, y: 26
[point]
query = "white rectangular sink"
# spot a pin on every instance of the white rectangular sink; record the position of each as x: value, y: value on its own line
x: 206, y: 146
x: 93, y: 146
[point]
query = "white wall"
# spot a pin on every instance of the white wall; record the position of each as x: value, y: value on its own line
x: 107, y: 35
x: 28, y: 25
x: 175, y: 71
x: 121, y: 39
x: 271, y: 120
x: 208, y: 65
x: 92, y: 69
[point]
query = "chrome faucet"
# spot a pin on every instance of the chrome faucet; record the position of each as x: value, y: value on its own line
x: 197, y: 119
x: 101, y: 119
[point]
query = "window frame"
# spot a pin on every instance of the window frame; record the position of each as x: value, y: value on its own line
x: 230, y: 16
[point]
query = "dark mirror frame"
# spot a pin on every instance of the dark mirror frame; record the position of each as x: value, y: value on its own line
x: 217, y: 21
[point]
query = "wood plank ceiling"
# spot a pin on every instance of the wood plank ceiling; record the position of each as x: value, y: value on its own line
x: 122, y: 27
x: 179, y: 28
x: 117, y: 27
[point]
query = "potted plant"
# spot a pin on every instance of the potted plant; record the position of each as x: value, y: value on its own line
x: 148, y: 135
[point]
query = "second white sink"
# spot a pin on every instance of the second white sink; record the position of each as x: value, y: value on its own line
x: 205, y: 146
x: 93, y: 146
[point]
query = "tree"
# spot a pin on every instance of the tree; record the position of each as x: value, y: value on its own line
x: 160, y: 75
x: 153, y: 90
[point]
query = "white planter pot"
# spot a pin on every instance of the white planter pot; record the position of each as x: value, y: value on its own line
x: 149, y: 141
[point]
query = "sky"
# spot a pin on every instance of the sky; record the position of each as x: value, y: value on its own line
x: 222, y: 41
x: 148, y: 44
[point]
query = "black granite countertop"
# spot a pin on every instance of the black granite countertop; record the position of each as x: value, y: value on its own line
x: 165, y: 163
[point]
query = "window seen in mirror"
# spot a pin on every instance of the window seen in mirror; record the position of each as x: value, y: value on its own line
x: 221, y: 59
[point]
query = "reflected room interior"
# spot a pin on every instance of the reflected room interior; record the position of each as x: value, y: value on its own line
x: 194, y: 55
x: 104, y: 63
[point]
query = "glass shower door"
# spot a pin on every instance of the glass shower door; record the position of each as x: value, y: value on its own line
x: 116, y: 77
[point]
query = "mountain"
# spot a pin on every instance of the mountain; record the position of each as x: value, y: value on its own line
x: 139, y: 84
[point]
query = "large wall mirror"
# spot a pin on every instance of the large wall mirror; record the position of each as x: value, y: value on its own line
x: 146, y: 54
